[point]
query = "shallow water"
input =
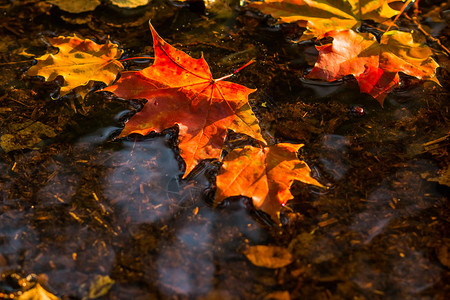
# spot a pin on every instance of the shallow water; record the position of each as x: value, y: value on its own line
x: 82, y: 203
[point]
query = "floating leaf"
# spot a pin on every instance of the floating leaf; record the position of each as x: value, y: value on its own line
x: 129, y: 3
x: 181, y: 91
x: 263, y: 174
x: 374, y: 65
x: 37, y: 293
x: 79, y: 61
x: 76, y: 6
x: 321, y: 16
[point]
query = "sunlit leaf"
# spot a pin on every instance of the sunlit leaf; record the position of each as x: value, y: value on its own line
x: 37, y: 293
x: 129, y: 3
x: 321, y: 16
x: 263, y: 174
x: 79, y: 61
x: 181, y: 91
x: 78, y: 6
x: 374, y: 65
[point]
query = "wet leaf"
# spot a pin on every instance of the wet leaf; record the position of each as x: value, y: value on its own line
x: 278, y: 295
x: 320, y: 17
x: 443, y: 255
x: 79, y: 61
x: 129, y: 3
x: 374, y: 65
x: 37, y: 293
x: 181, y: 91
x: 76, y: 7
x: 25, y: 135
x: 263, y: 174
x: 100, y: 286
x: 272, y: 257
x: 443, y: 176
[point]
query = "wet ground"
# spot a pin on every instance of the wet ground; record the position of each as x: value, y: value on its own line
x: 92, y: 216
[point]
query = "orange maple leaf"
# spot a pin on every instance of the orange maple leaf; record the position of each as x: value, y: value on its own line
x: 79, y: 61
x: 263, y: 174
x: 181, y: 91
x: 374, y: 65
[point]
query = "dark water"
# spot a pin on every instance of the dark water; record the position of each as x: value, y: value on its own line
x: 78, y: 205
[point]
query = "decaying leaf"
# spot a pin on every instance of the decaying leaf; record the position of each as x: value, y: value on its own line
x: 374, y: 65
x: 322, y: 16
x: 263, y: 174
x: 443, y: 255
x: 442, y: 177
x: 75, y: 7
x: 37, y: 293
x: 100, y: 286
x: 25, y: 135
x: 278, y: 295
x: 79, y: 61
x: 181, y: 91
x: 129, y: 3
x: 272, y: 257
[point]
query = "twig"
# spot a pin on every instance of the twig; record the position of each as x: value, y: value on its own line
x: 428, y: 36
x: 15, y: 62
x: 401, y: 12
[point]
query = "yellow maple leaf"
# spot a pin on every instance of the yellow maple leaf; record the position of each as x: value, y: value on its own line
x: 322, y: 16
x: 79, y: 61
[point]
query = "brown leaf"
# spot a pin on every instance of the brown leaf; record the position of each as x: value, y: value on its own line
x: 272, y: 257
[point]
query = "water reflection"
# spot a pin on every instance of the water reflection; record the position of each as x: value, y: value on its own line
x: 61, y: 185
x: 334, y: 155
x: 16, y: 238
x: 392, y: 200
x: 147, y: 174
x: 185, y: 264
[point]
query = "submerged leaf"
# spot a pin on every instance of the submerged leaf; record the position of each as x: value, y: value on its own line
x: 25, y: 135
x: 263, y: 174
x: 272, y: 257
x: 79, y: 61
x: 100, y: 286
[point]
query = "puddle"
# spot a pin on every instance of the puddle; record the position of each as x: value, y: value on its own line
x: 81, y: 204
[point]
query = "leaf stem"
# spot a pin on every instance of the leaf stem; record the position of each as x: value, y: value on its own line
x: 401, y: 12
x: 429, y: 36
x: 15, y: 62
x: 229, y: 75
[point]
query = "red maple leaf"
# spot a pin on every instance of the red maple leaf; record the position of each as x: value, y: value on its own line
x: 374, y: 65
x: 181, y: 91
